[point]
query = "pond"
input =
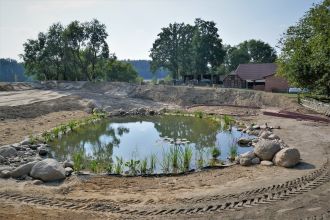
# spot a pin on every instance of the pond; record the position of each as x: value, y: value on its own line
x: 155, y: 144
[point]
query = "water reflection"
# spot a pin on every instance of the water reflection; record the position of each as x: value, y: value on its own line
x: 138, y: 138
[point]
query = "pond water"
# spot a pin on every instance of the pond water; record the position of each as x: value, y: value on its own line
x: 140, y: 138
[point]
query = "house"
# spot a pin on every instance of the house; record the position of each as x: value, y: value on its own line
x: 259, y: 76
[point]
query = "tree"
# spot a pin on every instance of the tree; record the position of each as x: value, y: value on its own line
x: 252, y: 51
x: 120, y: 71
x: 305, y: 55
x: 207, y: 48
x: 185, y: 49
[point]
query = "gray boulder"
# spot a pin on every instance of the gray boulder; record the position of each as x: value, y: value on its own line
x: 249, y: 155
x: 8, y: 151
x: 245, y: 161
x: 68, y: 163
x: 2, y: 159
x: 42, y: 151
x: 273, y: 137
x: 23, y: 170
x: 287, y: 157
x: 5, y: 174
x: 244, y: 141
x: 68, y: 171
x: 265, y: 134
x: 266, y: 149
x: 48, y: 170
x: 266, y: 163
x: 255, y: 160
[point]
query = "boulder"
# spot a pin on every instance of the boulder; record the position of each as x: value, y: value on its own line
x: 266, y: 149
x: 245, y: 161
x: 2, y: 159
x: 244, y: 141
x: 26, y: 141
x: 266, y: 163
x: 42, y: 151
x: 37, y: 182
x: 23, y: 170
x: 249, y: 155
x: 48, y: 170
x: 255, y: 160
x: 265, y: 134
x: 68, y: 163
x: 8, y: 151
x: 273, y: 137
x: 68, y: 171
x: 287, y: 157
x: 5, y: 174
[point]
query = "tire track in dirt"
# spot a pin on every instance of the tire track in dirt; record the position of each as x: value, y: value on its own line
x: 216, y: 203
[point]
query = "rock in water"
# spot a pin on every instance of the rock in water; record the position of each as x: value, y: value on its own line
x: 245, y: 161
x: 244, y: 141
x: 255, y: 160
x: 8, y: 151
x: 266, y: 149
x: 287, y: 157
x: 48, y: 170
x: 23, y: 170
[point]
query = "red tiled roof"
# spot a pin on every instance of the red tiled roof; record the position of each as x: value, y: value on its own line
x: 255, y: 71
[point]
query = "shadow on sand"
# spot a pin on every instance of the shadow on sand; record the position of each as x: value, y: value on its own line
x: 304, y: 166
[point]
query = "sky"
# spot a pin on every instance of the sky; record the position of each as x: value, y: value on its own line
x: 133, y: 25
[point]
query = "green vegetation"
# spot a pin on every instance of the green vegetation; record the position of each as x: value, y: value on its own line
x: 166, y: 163
x: 153, y: 160
x: 186, y: 155
x: 175, y: 158
x: 228, y: 120
x: 232, y: 152
x: 119, y: 165
x: 305, y: 59
x: 78, y: 160
x: 215, y: 152
x: 132, y: 166
x: 199, y: 114
x: 187, y: 49
x: 11, y: 71
x: 78, y: 51
x: 143, y: 166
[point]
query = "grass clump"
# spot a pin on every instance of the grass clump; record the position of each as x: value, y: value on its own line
x: 143, y: 166
x: 166, y: 163
x: 153, y: 160
x: 186, y: 155
x: 232, y: 152
x: 132, y: 166
x: 119, y: 165
x: 78, y: 160
x: 215, y: 152
x: 199, y: 114
x: 175, y: 158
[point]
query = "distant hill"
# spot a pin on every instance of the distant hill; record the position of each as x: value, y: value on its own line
x: 11, y: 71
x: 143, y: 68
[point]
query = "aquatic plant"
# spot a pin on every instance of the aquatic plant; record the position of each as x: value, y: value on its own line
x: 119, y: 165
x: 132, y: 166
x: 186, y: 155
x: 56, y: 132
x: 175, y: 158
x: 78, y: 160
x: 47, y: 137
x: 215, y: 152
x: 95, y: 166
x: 199, y: 114
x: 232, y: 152
x: 109, y: 168
x: 143, y: 166
x: 166, y: 163
x: 153, y: 160
x: 228, y: 120
x: 199, y: 155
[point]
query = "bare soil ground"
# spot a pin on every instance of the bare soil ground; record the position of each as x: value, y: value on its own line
x: 237, y: 192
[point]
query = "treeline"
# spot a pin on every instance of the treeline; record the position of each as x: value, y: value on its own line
x: 197, y: 49
x: 78, y: 51
x: 144, y: 71
x: 11, y: 71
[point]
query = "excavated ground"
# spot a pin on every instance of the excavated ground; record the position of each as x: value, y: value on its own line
x: 237, y: 192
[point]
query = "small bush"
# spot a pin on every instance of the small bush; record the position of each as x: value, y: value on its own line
x: 215, y: 152
x: 78, y: 159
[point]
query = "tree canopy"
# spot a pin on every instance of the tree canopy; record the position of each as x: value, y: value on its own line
x: 187, y: 49
x: 78, y: 51
x: 11, y: 71
x: 305, y: 56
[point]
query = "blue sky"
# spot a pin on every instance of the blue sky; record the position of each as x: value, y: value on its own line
x: 133, y: 25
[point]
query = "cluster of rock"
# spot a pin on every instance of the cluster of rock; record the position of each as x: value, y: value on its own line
x: 268, y: 150
x: 135, y: 111
x: 27, y: 161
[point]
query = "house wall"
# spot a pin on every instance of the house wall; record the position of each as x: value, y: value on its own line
x: 276, y: 84
x: 233, y: 81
